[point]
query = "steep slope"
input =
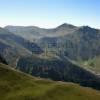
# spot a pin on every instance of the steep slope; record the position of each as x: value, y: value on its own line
x: 77, y: 43
x: 15, y: 85
x: 82, y: 44
x: 13, y: 46
x: 10, y: 37
x: 92, y: 64
x: 59, y: 70
x: 8, y: 52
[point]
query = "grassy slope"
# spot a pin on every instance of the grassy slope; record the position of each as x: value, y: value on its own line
x: 92, y: 64
x: 18, y: 86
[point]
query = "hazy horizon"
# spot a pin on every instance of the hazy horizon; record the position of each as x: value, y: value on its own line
x: 49, y: 13
x: 48, y: 27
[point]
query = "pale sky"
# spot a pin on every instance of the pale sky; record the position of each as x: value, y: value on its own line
x: 50, y: 13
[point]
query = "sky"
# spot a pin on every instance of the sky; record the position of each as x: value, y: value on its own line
x: 50, y: 13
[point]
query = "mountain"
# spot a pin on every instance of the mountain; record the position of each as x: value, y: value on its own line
x: 82, y: 44
x: 59, y: 70
x: 32, y: 32
x: 29, y: 33
x: 19, y: 40
x: 77, y: 43
x: 66, y: 44
x: 15, y: 85
x: 13, y: 46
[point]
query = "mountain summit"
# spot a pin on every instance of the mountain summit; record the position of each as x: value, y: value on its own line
x: 66, y: 26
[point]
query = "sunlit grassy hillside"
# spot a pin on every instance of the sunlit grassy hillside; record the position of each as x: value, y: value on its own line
x: 15, y: 85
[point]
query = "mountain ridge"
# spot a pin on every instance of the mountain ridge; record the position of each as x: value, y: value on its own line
x: 63, y: 24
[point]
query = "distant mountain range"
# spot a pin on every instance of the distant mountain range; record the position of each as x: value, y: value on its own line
x: 57, y: 53
x: 32, y: 32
